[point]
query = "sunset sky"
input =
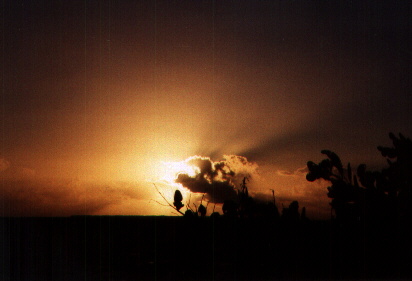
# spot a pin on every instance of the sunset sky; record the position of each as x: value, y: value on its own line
x: 100, y: 99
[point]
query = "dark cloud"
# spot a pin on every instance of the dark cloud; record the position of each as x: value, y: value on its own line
x: 217, y: 191
x: 217, y: 179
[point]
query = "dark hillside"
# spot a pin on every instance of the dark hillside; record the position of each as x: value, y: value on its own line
x: 179, y: 248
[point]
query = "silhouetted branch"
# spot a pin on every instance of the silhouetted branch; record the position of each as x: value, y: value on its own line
x: 188, y: 203
x: 158, y: 202
x: 166, y: 200
x: 207, y: 205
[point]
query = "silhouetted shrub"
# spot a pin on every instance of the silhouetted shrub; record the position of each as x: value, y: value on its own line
x: 245, y: 206
x: 230, y: 208
x: 291, y: 214
x: 189, y: 214
x: 396, y: 180
x: 375, y: 195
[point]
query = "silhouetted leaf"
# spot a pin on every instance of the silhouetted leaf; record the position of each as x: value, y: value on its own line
x: 311, y: 177
x: 387, y: 151
x: 189, y: 214
x: 311, y: 166
x: 335, y: 160
x: 202, y: 210
x: 178, y: 196
x: 325, y: 169
x: 178, y: 205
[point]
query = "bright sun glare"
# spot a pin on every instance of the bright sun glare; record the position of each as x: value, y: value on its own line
x: 165, y: 176
x: 170, y: 171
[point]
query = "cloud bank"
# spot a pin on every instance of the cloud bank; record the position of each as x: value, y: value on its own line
x: 39, y: 197
x: 22, y: 193
x: 218, y: 180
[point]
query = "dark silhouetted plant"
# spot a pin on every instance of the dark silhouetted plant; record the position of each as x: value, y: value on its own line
x: 230, y: 208
x: 396, y: 180
x: 369, y: 194
x: 178, y: 200
x: 343, y: 191
x: 202, y: 210
x: 291, y: 214
x: 244, y: 206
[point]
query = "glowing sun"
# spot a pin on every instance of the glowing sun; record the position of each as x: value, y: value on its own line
x: 171, y: 170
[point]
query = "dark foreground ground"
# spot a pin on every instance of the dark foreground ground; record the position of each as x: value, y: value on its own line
x: 177, y: 248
